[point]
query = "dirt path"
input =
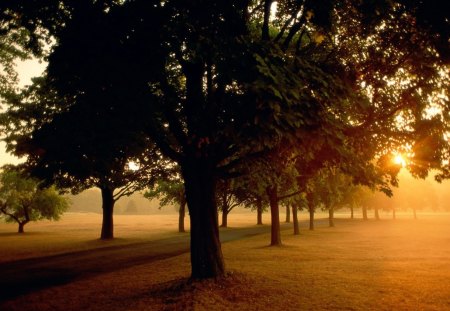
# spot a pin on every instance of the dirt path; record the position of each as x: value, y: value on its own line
x: 23, y: 276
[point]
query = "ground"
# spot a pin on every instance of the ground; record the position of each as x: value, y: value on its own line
x: 401, y: 264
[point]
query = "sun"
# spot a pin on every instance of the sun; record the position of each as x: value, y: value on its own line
x: 133, y: 166
x: 398, y: 159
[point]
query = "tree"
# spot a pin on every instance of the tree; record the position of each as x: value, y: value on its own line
x: 228, y: 199
x: 170, y: 191
x: 22, y: 200
x: 226, y: 80
x: 96, y: 152
x: 331, y: 186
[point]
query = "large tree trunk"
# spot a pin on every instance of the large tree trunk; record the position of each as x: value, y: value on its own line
x: 393, y: 214
x: 352, y: 213
x: 377, y: 214
x: 108, y: 210
x: 295, y: 219
x: 364, y: 211
x: 331, y: 216
x: 275, y: 238
x: 206, y: 253
x: 181, y: 215
x: 259, y: 211
x: 288, y: 213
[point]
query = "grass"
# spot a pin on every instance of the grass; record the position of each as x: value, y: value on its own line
x: 358, y: 265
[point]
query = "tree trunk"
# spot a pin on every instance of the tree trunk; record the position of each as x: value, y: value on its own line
x: 415, y: 213
x: 21, y: 225
x: 331, y: 216
x: 181, y: 215
x: 259, y: 211
x: 200, y: 186
x: 295, y: 219
x: 224, y: 217
x: 352, y: 213
x: 108, y: 210
x: 288, y: 213
x: 393, y: 214
x: 275, y: 238
x: 364, y: 211
x: 311, y: 218
x: 311, y: 211
x: 377, y: 214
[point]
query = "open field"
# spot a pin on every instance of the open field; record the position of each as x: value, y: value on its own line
x: 358, y: 265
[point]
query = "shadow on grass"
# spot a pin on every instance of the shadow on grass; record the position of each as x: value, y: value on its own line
x: 16, y: 234
x: 27, y: 275
x: 24, y: 276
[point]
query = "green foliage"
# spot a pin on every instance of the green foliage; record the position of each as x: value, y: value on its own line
x: 167, y: 191
x: 23, y: 200
x: 11, y: 50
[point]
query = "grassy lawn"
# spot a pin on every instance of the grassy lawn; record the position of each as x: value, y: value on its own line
x: 401, y: 264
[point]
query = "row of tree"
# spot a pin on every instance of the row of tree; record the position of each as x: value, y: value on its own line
x: 270, y: 92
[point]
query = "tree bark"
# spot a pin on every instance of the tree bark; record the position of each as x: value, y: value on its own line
x: 331, y: 216
x: 259, y: 211
x: 377, y: 214
x: 364, y: 211
x: 275, y: 238
x: 108, y: 211
x: 311, y: 211
x: 21, y: 225
x: 393, y: 214
x: 295, y: 219
x: 181, y: 215
x: 352, y: 214
x: 200, y: 185
x: 224, y: 223
x: 288, y: 213
x: 311, y: 218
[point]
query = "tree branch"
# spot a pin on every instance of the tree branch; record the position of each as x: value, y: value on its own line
x: 265, y: 28
x: 289, y: 195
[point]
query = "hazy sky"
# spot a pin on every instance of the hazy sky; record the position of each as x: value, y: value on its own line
x: 26, y: 70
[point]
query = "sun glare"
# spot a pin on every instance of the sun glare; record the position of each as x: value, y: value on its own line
x: 133, y: 166
x: 398, y: 159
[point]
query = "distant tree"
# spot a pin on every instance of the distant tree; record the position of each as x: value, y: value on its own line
x: 296, y: 227
x: 170, y: 191
x: 131, y: 207
x: 227, y: 198
x: 251, y: 195
x: 288, y: 213
x: 415, y: 194
x: 330, y: 186
x: 295, y: 203
x: 22, y: 200
x: 277, y: 175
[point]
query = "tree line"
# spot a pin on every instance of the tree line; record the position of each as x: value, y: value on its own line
x: 264, y: 94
